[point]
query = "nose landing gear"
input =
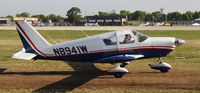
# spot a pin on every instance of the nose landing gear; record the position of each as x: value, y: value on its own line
x: 162, y: 66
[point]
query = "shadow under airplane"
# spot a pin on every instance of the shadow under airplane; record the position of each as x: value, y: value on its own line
x: 82, y: 74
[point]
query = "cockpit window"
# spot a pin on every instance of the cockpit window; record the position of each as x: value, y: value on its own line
x: 141, y: 37
x: 110, y: 40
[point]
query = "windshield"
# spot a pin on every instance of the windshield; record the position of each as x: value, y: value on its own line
x: 141, y: 37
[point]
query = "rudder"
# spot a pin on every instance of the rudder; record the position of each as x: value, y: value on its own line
x: 32, y: 41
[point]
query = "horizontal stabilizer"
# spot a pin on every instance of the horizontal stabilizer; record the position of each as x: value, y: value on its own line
x: 22, y: 55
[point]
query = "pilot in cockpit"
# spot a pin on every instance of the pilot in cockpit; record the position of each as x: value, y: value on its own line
x: 128, y: 39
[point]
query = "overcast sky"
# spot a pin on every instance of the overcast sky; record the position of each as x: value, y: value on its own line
x: 91, y: 7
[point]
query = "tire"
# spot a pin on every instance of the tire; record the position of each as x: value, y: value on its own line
x: 118, y: 75
x: 164, y: 71
x: 122, y: 65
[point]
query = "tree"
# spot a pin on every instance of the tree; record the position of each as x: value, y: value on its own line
x: 163, y: 17
x: 174, y: 16
x: 9, y: 16
x: 189, y: 16
x: 104, y: 14
x: 74, y: 15
x: 130, y: 16
x: 157, y: 16
x: 24, y: 14
x: 196, y: 14
x: 53, y: 18
x: 59, y: 18
x: 139, y: 15
x: 41, y: 17
x: 149, y: 17
x: 124, y: 13
x: 113, y: 13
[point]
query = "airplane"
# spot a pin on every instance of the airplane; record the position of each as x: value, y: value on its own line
x: 116, y: 47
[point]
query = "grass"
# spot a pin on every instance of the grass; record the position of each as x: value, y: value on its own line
x: 186, y: 35
x: 134, y: 22
x: 184, y: 60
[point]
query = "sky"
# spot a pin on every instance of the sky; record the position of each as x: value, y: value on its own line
x: 92, y: 7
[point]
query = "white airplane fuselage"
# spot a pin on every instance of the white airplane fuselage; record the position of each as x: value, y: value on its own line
x: 92, y: 48
x: 108, y: 47
x: 117, y: 47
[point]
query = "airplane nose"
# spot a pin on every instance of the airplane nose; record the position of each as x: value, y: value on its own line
x: 179, y: 42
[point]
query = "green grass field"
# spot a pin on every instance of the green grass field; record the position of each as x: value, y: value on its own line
x: 183, y: 78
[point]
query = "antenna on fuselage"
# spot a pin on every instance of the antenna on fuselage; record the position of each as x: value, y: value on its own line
x: 51, y: 39
x: 84, y: 33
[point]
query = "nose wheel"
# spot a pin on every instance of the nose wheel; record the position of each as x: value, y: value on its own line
x: 162, y: 66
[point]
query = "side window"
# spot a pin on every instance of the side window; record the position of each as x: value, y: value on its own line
x: 126, y: 39
x: 110, y: 41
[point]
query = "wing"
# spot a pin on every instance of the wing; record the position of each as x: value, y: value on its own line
x: 119, y: 58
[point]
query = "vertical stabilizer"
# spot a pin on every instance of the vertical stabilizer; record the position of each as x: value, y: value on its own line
x: 32, y: 41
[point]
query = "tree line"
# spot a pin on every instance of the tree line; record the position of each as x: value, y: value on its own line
x: 41, y: 17
x: 74, y: 16
x: 155, y: 16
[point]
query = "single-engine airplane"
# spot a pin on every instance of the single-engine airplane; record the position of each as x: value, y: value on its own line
x: 117, y: 47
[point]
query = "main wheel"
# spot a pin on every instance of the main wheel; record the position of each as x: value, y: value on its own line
x: 164, y: 71
x: 124, y: 64
x: 118, y: 75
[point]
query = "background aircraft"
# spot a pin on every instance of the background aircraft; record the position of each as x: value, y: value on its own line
x: 117, y: 47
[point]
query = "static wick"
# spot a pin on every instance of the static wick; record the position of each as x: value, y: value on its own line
x: 51, y: 39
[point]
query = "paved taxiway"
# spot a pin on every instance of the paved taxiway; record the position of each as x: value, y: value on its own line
x: 108, y: 28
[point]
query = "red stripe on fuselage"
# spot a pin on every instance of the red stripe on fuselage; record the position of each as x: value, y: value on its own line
x: 29, y: 38
x: 135, y: 48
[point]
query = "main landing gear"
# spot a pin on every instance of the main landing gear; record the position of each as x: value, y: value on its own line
x: 119, y: 71
x: 162, y: 66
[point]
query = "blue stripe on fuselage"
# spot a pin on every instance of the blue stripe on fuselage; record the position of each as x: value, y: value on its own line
x: 92, y: 57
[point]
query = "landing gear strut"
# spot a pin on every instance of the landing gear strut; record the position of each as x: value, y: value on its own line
x: 118, y: 71
x: 162, y: 66
x: 124, y: 64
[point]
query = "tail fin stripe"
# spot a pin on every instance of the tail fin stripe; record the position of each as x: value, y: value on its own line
x: 26, y: 45
x: 29, y: 38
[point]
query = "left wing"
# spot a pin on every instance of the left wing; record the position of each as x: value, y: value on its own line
x: 119, y: 58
